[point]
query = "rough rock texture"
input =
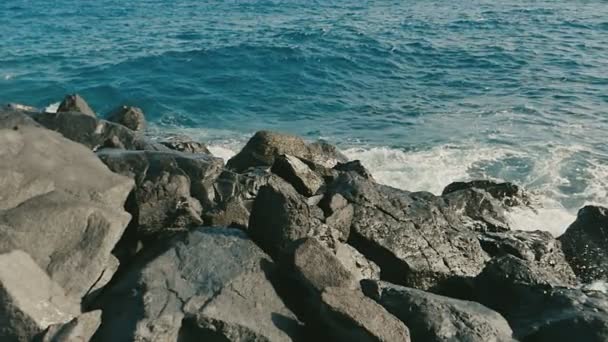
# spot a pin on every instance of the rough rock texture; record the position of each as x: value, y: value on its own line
x: 317, y: 267
x: 585, y: 244
x: 356, y: 167
x: 265, y: 146
x: 185, y: 144
x: 29, y: 300
x: 234, y: 196
x: 413, y: 237
x: 435, y: 318
x: 216, y: 278
x: 95, y: 133
x: 355, y: 262
x: 298, y: 174
x: 536, y: 309
x: 172, y: 188
x: 130, y: 117
x: 75, y: 103
x: 61, y: 205
x: 484, y: 211
x: 79, y: 329
x: 507, y: 193
x: 281, y: 216
x: 350, y: 316
x: 537, y: 247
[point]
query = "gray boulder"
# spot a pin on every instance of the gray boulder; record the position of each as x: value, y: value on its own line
x: 95, y: 133
x: 79, y: 329
x: 539, y: 310
x: 481, y: 211
x: 130, y: 117
x: 61, y: 205
x: 280, y: 216
x: 414, y: 237
x: 585, y: 244
x: 356, y: 167
x: 435, y: 318
x: 536, y: 247
x: 75, y: 103
x: 265, y: 146
x: 317, y: 267
x: 234, y: 196
x: 298, y: 174
x: 185, y: 144
x: 29, y: 300
x: 350, y: 316
x: 214, y: 282
x: 172, y: 188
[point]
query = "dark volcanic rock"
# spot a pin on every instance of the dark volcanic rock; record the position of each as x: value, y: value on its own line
x: 350, y: 316
x: 75, y: 103
x: 356, y: 167
x: 298, y: 174
x: 80, y: 329
x: 95, y: 133
x: 29, y: 300
x: 215, y: 278
x: 185, y: 144
x: 172, y: 188
x: 508, y: 193
x: 536, y: 247
x: 585, y: 244
x: 130, y: 117
x: 413, y: 237
x: 435, y: 318
x: 484, y: 211
x: 234, y: 196
x: 536, y: 309
x: 264, y: 147
x: 62, y: 206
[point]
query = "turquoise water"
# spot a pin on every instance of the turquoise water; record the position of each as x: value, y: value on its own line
x: 424, y: 92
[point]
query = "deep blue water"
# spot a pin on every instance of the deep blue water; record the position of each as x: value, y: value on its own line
x: 423, y: 91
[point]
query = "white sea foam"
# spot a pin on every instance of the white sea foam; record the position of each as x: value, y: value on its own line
x: 52, y: 108
x: 7, y: 77
x: 598, y: 285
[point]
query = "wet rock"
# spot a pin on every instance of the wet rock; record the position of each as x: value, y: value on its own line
x: 507, y: 193
x: 79, y: 329
x: 61, y: 205
x: 212, y: 282
x: 29, y: 300
x: 484, y: 211
x: 537, y: 247
x: 75, y: 103
x: 413, y: 237
x: 185, y: 144
x: 95, y: 133
x: 536, y: 308
x: 172, y: 188
x: 585, y: 244
x: 130, y: 117
x: 350, y: 316
x: 265, y: 146
x: 298, y: 174
x: 435, y: 318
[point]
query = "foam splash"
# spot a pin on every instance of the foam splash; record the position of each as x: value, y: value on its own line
x: 52, y: 108
x: 7, y: 77
x: 598, y: 285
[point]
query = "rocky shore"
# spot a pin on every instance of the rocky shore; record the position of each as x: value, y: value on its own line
x: 106, y: 235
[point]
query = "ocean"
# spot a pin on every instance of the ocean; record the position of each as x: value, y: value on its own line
x: 424, y: 92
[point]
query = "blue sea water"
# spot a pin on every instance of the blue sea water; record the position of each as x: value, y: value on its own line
x: 424, y: 92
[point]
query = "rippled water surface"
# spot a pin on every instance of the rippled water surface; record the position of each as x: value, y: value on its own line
x: 424, y: 92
